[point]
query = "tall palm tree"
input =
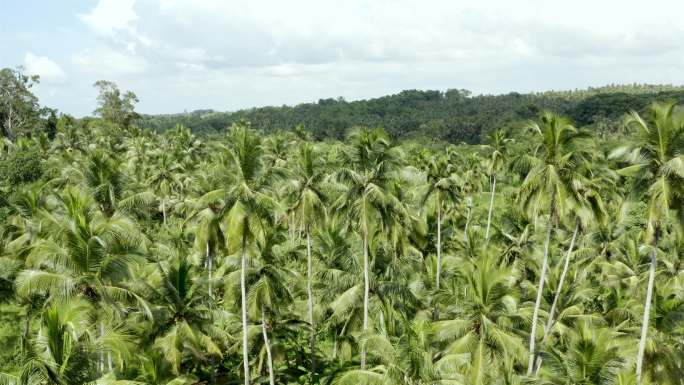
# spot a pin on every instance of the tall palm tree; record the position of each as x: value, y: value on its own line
x: 586, y: 208
x: 247, y: 207
x: 497, y: 160
x: 657, y: 166
x: 367, y: 202
x: 83, y: 253
x: 548, y: 180
x: 165, y: 179
x: 442, y: 186
x: 308, y: 208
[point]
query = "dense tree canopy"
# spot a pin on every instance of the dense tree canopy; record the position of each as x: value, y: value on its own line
x: 454, y: 116
x: 551, y: 255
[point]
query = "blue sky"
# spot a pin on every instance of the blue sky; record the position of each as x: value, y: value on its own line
x: 182, y: 55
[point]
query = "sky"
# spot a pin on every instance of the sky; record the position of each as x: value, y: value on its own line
x: 182, y: 55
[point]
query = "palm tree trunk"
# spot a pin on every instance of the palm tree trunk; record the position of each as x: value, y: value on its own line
x: 465, y: 230
x: 549, y: 321
x: 540, y: 289
x: 309, y: 292
x: 647, y: 309
x: 271, y: 376
x: 164, y: 209
x: 209, y: 269
x: 491, y: 206
x: 243, y: 293
x: 366, y: 289
x: 27, y: 328
x: 439, y: 243
x: 101, y: 363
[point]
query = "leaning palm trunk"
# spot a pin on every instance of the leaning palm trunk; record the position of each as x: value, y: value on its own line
x: 309, y: 292
x: 647, y: 309
x: 271, y: 376
x: 540, y: 289
x: 366, y: 289
x: 491, y: 206
x: 243, y: 293
x: 549, y: 321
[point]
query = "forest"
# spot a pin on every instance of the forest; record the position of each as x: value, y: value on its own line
x: 452, y: 116
x: 547, y: 252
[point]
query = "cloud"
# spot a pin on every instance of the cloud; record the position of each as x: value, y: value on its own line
x: 105, y: 61
x: 47, y: 69
x: 110, y: 16
x: 179, y: 54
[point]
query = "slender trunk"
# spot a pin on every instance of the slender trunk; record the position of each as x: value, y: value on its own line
x: 438, y: 274
x: 164, y: 210
x: 465, y: 230
x: 209, y: 262
x: 559, y: 289
x: 309, y: 292
x: 647, y: 309
x: 271, y: 376
x: 540, y: 290
x: 334, y: 352
x: 439, y: 243
x: 366, y: 289
x: 243, y: 293
x: 27, y: 328
x: 101, y: 363
x: 491, y: 206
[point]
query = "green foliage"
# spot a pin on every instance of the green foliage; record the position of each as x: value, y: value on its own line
x: 22, y: 166
x: 454, y: 116
x: 129, y: 256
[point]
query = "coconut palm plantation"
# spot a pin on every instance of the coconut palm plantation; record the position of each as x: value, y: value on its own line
x: 548, y: 253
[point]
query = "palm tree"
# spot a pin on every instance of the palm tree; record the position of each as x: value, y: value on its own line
x: 164, y: 178
x: 657, y: 166
x: 482, y: 324
x: 558, y: 154
x: 184, y: 319
x: 442, y: 186
x: 308, y: 208
x: 497, y: 160
x: 247, y: 207
x: 592, y: 357
x: 586, y: 207
x: 83, y: 253
x: 367, y: 203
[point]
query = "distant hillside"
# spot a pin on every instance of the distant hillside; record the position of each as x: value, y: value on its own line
x: 454, y: 115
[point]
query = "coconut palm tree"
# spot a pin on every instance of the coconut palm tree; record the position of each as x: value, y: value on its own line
x: 657, y: 168
x: 308, y: 209
x: 548, y: 181
x: 442, y: 186
x: 592, y: 357
x: 247, y: 207
x: 367, y: 203
x: 83, y: 253
x: 482, y: 325
x: 497, y: 160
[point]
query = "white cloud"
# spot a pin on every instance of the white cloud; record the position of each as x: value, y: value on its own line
x: 179, y: 54
x: 110, y: 62
x: 110, y: 16
x: 47, y: 69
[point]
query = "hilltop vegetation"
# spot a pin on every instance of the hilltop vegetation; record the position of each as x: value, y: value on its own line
x: 551, y: 254
x: 454, y: 116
